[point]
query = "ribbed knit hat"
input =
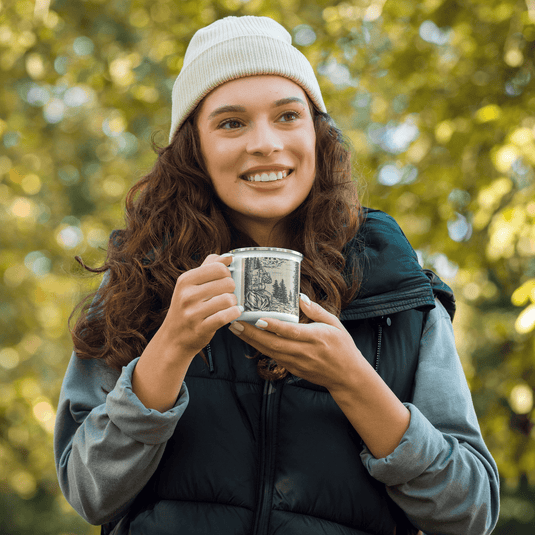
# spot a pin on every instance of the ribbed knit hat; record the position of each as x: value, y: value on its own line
x: 235, y: 47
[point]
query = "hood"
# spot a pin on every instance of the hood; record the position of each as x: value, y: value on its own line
x: 392, y: 279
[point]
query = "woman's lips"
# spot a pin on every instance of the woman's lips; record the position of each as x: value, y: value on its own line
x: 266, y: 176
x: 268, y: 185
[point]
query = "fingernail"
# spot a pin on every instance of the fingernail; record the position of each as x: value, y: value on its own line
x: 241, y: 308
x: 261, y: 324
x: 234, y: 331
x: 236, y: 326
x: 305, y: 298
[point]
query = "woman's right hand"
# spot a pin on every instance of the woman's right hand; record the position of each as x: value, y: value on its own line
x: 202, y: 302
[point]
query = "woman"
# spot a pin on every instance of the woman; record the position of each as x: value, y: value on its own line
x: 358, y: 420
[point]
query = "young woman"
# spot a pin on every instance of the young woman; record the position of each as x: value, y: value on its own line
x: 357, y: 420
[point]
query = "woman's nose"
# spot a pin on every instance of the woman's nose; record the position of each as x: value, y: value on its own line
x: 263, y: 140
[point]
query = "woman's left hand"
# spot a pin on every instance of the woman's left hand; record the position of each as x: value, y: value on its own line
x: 322, y: 352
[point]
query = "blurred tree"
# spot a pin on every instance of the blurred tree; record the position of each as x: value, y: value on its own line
x: 436, y: 99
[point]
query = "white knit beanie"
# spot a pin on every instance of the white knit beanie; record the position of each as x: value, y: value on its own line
x: 235, y: 47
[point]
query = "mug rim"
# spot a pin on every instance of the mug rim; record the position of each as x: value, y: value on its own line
x: 266, y: 249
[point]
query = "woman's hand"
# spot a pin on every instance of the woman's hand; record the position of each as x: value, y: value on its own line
x: 203, y: 301
x: 322, y: 352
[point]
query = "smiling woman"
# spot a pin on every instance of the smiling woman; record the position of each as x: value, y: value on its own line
x: 259, y: 151
x: 355, y: 421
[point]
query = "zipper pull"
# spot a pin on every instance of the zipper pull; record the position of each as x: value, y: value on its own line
x: 384, y: 321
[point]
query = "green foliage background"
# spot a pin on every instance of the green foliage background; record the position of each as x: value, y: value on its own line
x: 436, y: 98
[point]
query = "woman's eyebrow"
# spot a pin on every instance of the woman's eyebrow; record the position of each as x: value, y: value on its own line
x: 289, y: 100
x: 226, y: 109
x: 235, y: 108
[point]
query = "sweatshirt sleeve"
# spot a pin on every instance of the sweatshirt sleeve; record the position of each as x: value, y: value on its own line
x: 107, y: 446
x: 441, y: 474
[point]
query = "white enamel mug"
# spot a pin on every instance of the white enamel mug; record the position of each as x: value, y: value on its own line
x: 267, y: 282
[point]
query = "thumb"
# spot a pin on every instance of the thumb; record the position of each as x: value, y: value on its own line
x: 316, y: 312
x: 305, y: 299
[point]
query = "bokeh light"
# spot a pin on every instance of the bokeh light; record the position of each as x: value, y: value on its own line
x: 304, y: 35
x: 521, y: 398
x: 83, y: 46
x: 38, y: 263
x: 431, y: 33
x: 438, y: 107
x: 9, y: 358
x: 54, y: 111
x: 69, y: 237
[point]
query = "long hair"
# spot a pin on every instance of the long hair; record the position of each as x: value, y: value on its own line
x: 174, y: 220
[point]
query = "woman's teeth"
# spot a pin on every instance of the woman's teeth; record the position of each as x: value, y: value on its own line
x: 267, y: 177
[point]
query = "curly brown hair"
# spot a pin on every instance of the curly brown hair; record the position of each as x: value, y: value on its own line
x: 174, y: 220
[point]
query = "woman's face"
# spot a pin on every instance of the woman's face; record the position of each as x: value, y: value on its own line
x: 253, y: 130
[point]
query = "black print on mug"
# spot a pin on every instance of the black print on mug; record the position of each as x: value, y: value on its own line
x: 271, y: 284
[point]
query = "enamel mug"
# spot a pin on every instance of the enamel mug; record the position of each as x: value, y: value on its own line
x: 267, y: 282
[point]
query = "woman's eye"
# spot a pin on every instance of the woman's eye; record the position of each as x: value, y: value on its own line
x: 290, y: 116
x: 230, y: 124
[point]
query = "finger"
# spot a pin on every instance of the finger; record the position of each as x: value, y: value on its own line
x: 217, y: 290
x: 291, y: 331
x: 210, y: 272
x: 211, y: 258
x: 317, y: 313
x: 219, y: 316
x: 267, y: 343
x: 227, y: 260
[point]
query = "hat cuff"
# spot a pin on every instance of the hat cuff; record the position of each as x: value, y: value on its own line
x: 237, y: 58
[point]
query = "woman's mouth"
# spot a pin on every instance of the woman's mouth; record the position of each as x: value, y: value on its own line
x: 267, y: 176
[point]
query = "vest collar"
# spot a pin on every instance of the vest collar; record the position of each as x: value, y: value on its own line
x: 392, y: 279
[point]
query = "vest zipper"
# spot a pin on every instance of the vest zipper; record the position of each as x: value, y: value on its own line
x: 378, y: 350
x: 210, y: 361
x: 380, y: 323
x: 266, y: 460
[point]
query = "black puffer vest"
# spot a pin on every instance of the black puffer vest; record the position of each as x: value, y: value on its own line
x: 259, y: 457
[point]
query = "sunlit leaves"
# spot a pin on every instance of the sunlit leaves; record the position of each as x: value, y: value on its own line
x: 525, y: 323
x: 435, y: 97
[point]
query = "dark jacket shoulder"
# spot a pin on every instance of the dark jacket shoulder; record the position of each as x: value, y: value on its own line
x: 392, y: 278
